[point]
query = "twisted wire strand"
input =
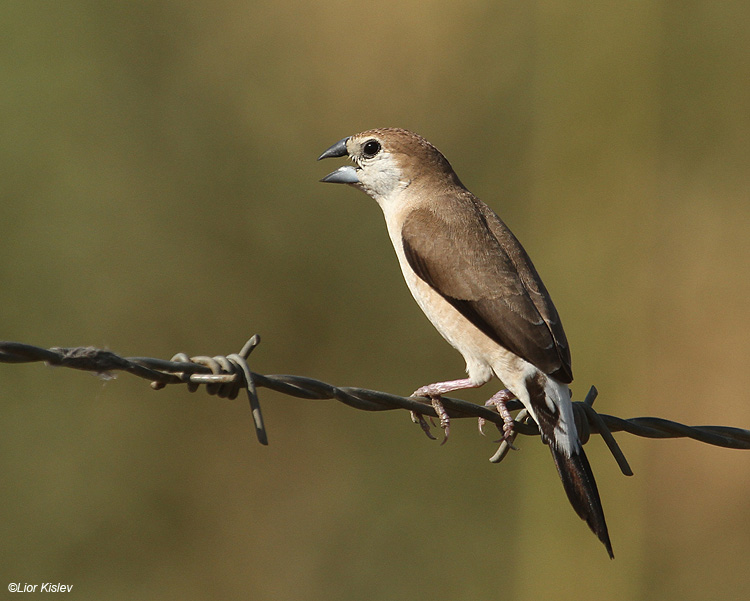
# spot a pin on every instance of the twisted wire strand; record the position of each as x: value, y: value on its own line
x: 226, y: 376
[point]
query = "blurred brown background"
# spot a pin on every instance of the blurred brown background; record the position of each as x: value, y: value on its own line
x: 159, y: 194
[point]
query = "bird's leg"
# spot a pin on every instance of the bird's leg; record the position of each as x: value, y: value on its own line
x: 499, y: 400
x: 434, y: 392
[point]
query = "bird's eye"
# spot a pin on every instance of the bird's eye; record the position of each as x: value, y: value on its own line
x: 371, y: 148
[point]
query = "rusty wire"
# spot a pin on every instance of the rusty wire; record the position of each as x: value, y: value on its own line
x: 226, y: 376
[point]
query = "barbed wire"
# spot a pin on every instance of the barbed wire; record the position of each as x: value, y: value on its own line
x: 226, y: 376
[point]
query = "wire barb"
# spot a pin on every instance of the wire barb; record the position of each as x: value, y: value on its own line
x: 225, y: 376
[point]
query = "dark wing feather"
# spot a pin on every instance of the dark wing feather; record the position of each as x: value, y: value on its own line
x: 488, y: 277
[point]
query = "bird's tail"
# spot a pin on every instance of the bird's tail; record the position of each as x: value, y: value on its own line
x: 550, y: 406
x: 580, y: 486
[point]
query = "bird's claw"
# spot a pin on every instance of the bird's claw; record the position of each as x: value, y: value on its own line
x: 445, y: 420
x: 498, y: 401
x: 418, y: 418
x: 480, y: 424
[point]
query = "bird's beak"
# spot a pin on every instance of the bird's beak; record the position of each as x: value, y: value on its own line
x: 342, y: 175
x: 337, y: 150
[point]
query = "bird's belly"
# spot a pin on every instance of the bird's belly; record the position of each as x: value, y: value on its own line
x: 483, y: 355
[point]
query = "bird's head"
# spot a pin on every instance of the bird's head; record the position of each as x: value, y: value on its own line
x: 387, y: 161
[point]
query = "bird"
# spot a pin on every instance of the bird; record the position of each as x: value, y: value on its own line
x: 477, y: 285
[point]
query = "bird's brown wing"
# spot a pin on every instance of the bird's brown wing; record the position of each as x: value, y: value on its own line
x: 471, y: 258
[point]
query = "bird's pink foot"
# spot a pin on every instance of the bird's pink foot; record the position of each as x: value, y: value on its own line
x: 445, y: 420
x: 434, y: 392
x: 499, y: 400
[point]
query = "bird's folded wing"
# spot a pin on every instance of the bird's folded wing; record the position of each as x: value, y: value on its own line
x: 470, y: 257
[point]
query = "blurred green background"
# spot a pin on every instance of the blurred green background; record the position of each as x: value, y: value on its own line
x: 159, y: 194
